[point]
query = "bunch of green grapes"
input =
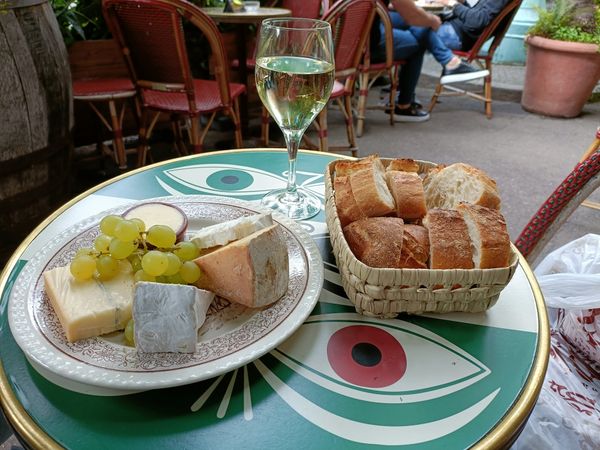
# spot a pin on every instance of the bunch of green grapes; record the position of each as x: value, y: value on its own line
x: 154, y: 254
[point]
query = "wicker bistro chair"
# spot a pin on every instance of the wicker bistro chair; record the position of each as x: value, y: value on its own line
x: 369, y: 72
x: 483, y: 56
x: 150, y: 33
x: 351, y: 22
x: 574, y: 189
x: 100, y: 77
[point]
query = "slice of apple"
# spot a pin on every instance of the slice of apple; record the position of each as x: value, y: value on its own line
x: 158, y: 213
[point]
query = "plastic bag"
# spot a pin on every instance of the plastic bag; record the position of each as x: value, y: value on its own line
x: 567, y: 414
x: 570, y: 280
x: 570, y: 275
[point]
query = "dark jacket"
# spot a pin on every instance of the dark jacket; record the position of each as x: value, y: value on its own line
x: 470, y: 22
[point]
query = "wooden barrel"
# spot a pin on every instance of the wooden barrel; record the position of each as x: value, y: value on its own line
x: 36, y: 118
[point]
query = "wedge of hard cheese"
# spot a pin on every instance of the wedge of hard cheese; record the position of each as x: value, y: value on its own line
x: 225, y: 232
x: 167, y: 316
x: 92, y: 307
x: 252, y: 271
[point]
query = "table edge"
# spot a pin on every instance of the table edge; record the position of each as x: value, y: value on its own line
x: 499, y: 437
x: 503, y: 434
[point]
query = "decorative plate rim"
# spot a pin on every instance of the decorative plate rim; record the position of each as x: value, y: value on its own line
x: 42, y: 352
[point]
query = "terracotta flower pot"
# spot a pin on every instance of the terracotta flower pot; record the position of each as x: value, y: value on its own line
x: 559, y: 76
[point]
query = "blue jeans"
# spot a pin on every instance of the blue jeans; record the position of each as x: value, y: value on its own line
x: 440, y: 43
x: 409, y: 48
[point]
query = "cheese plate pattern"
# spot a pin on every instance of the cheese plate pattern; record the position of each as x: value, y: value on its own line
x: 232, y: 335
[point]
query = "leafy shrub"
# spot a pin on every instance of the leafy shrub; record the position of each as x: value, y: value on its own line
x: 565, y: 21
x: 80, y: 19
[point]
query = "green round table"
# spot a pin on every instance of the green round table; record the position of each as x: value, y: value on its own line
x: 467, y: 380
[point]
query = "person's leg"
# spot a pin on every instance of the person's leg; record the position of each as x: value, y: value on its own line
x: 398, y: 21
x: 454, y: 68
x: 447, y: 35
x: 432, y: 42
x: 408, y: 48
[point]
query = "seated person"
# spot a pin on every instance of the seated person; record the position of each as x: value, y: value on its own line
x: 408, y: 48
x: 461, y: 30
x: 440, y: 44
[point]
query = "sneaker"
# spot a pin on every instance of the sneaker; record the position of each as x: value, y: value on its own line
x: 462, y: 72
x: 385, y: 104
x: 410, y: 114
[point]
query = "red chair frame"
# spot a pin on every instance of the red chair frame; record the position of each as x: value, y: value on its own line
x: 150, y: 34
x: 574, y: 189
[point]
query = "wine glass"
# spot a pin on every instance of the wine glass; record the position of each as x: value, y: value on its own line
x: 294, y: 78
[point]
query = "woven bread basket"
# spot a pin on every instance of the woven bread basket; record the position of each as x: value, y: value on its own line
x: 385, y: 293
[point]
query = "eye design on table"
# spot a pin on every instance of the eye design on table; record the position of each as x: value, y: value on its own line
x: 377, y: 360
x: 235, y: 179
x: 357, y: 343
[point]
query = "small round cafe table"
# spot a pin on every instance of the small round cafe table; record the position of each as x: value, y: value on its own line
x: 467, y: 380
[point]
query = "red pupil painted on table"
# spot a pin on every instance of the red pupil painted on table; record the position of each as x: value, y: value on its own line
x: 366, y: 356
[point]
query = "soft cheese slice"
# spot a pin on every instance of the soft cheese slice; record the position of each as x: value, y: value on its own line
x: 225, y: 232
x: 92, y: 307
x: 252, y: 271
x: 167, y: 316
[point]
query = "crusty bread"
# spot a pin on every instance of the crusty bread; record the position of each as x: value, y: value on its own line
x: 415, y: 247
x: 370, y: 190
x: 489, y: 236
x: 343, y: 168
x: 403, y: 165
x: 377, y: 241
x: 446, y: 187
x: 347, y: 209
x: 253, y: 271
x: 408, y: 193
x: 450, y: 244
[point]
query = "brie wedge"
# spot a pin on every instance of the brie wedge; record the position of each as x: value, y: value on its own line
x: 167, y: 317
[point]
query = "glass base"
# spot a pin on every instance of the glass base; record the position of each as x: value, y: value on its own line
x: 304, y: 205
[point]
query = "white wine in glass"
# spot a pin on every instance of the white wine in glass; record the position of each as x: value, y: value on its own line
x: 294, y: 78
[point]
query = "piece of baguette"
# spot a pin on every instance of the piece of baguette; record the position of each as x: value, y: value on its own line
x: 408, y: 193
x: 415, y: 247
x: 446, y: 187
x: 371, y: 192
x: 376, y: 241
x: 403, y: 165
x: 343, y: 168
x: 347, y: 209
x: 449, y: 241
x: 489, y: 236
x: 225, y: 232
x: 253, y: 271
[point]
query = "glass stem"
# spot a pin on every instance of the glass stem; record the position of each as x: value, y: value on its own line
x: 292, y: 140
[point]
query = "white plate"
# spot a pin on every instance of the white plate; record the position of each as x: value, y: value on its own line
x: 231, y: 336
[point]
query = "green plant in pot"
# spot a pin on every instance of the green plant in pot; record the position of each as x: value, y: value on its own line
x: 563, y: 58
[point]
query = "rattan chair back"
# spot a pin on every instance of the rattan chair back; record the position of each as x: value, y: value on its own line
x: 151, y: 36
x: 351, y: 22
